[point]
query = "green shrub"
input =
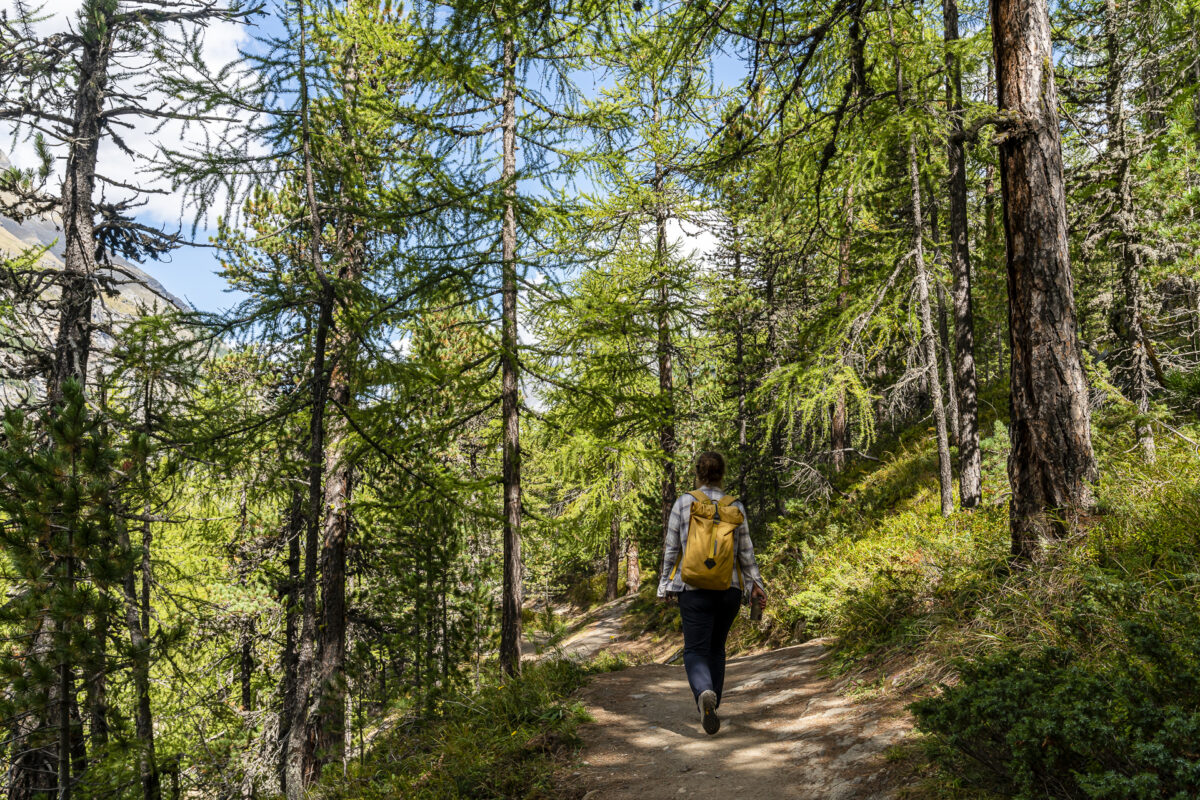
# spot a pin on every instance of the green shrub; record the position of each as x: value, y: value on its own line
x: 501, y: 741
x: 1054, y: 725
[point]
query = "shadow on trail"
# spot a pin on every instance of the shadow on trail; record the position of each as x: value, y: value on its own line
x: 786, y: 733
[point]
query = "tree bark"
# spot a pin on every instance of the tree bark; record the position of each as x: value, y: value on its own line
x: 948, y: 359
x: 330, y: 723
x: 614, y: 556
x: 970, y: 470
x: 138, y: 620
x: 928, y: 335
x: 513, y: 594
x: 293, y: 531
x: 140, y: 667
x: 1051, y: 467
x: 73, y: 340
x: 837, y: 423
x: 300, y: 746
x: 1137, y: 365
x: 943, y: 325
x: 739, y: 354
x: 633, y: 570
x: 666, y: 379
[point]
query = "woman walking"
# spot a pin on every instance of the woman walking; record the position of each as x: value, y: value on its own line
x: 720, y: 570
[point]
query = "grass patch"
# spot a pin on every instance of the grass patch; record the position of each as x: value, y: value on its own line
x: 501, y: 741
x: 893, y: 581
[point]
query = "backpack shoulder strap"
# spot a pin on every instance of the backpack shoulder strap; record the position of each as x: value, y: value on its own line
x: 699, y: 495
x: 727, y: 500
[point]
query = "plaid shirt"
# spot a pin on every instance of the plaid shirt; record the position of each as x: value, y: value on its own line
x: 677, y: 531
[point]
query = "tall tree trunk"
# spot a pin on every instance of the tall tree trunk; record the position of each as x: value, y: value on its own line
x: 300, y: 745
x: 739, y: 355
x: 98, y: 679
x: 837, y: 423
x: 928, y: 335
x: 666, y: 378
x: 1051, y: 466
x: 513, y: 594
x: 138, y: 620
x: 73, y: 341
x: 970, y: 470
x: 952, y: 416
x: 1137, y: 356
x: 33, y: 772
x: 943, y: 326
x: 614, y: 556
x: 293, y: 531
x: 775, y: 442
x: 329, y: 725
x: 633, y: 569
x: 66, y: 686
x: 140, y: 666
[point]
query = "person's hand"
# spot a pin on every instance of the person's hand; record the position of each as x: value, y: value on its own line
x: 670, y: 598
x: 757, y: 595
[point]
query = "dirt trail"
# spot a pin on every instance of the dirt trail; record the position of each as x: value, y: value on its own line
x: 786, y: 732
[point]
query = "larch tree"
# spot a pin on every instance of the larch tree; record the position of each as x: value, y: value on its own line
x: 1052, y: 468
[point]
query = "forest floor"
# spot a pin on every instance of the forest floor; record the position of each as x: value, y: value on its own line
x: 787, y: 730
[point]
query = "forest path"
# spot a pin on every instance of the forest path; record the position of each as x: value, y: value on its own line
x: 786, y: 732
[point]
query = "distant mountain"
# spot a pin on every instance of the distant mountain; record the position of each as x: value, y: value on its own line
x: 136, y: 292
x: 137, y: 289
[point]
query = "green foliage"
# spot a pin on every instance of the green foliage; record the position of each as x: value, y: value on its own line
x: 497, y: 743
x: 1051, y: 724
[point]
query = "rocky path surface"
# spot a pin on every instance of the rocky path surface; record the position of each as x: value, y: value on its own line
x: 787, y: 732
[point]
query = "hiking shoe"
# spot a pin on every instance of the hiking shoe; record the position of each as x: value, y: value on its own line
x: 708, y: 712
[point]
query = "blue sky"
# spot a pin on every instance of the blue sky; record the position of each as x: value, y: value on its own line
x: 191, y: 272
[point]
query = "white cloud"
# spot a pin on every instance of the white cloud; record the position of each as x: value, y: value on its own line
x: 691, y: 241
x: 220, y: 48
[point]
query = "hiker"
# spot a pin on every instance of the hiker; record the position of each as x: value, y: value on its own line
x: 709, y: 580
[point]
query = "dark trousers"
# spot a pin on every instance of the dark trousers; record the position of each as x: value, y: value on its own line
x: 707, y: 617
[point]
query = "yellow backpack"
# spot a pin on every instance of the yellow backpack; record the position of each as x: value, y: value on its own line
x: 710, y: 555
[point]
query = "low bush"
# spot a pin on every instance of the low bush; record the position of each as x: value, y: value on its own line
x: 1122, y: 725
x: 502, y: 741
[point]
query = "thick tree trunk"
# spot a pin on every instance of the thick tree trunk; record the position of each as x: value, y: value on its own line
x: 246, y: 665
x: 1051, y: 467
x: 301, y: 745
x: 513, y: 594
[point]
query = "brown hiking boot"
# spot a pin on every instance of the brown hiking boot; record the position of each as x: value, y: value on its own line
x: 708, y: 712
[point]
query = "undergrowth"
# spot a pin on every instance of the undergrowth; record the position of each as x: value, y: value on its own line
x: 1098, y: 642
x: 500, y: 741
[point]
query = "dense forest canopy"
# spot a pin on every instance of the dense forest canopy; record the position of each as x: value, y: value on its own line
x: 503, y: 269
